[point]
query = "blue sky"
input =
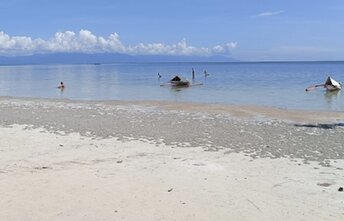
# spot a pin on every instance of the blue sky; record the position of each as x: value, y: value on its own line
x: 246, y: 30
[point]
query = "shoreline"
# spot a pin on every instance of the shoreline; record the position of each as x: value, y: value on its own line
x: 234, y: 129
x: 82, y: 160
x: 236, y: 110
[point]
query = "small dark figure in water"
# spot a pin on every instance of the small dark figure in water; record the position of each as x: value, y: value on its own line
x: 159, y: 75
x: 62, y: 86
x: 206, y: 73
x: 193, y: 74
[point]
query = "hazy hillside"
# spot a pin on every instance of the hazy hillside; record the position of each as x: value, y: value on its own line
x: 82, y: 58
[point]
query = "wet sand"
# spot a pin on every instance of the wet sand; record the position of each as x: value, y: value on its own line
x: 78, y: 160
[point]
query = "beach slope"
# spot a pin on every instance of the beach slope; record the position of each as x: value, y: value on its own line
x: 77, y: 160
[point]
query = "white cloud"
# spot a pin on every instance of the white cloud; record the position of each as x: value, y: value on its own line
x: 224, y: 49
x: 86, y: 42
x: 266, y: 14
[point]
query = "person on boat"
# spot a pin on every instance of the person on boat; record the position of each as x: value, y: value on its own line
x: 61, y: 86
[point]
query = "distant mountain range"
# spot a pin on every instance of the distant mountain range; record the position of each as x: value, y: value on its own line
x: 104, y: 58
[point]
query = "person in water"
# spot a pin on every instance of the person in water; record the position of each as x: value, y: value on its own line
x: 62, y: 86
x: 193, y: 74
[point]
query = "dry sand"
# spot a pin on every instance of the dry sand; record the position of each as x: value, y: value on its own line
x: 74, y: 160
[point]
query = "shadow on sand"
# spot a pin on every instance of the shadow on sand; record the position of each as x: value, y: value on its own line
x: 321, y: 126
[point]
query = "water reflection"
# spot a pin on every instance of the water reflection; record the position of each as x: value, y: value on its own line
x: 178, y: 92
x: 61, y: 90
x: 331, y: 97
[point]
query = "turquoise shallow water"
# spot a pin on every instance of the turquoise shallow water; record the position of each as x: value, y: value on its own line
x: 278, y: 85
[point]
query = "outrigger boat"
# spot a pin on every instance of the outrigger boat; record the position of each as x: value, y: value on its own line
x: 330, y: 85
x: 177, y: 81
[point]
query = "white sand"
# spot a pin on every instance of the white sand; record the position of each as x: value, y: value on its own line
x: 45, y: 176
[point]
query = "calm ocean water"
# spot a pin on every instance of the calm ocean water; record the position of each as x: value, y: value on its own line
x: 266, y: 84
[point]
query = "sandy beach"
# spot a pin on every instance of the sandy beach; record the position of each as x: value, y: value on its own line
x: 146, y: 160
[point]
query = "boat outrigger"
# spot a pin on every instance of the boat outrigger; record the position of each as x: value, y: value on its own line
x: 330, y: 85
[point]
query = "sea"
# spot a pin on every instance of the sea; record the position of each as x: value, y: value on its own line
x: 269, y: 84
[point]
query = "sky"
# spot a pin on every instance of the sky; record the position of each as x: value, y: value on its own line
x: 248, y: 30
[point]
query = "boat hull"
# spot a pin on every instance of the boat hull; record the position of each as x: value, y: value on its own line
x: 180, y: 84
x: 332, y: 88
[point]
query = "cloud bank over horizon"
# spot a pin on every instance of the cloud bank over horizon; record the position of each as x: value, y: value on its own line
x: 86, y: 42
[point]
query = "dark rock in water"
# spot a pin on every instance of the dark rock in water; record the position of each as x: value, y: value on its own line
x: 340, y: 189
